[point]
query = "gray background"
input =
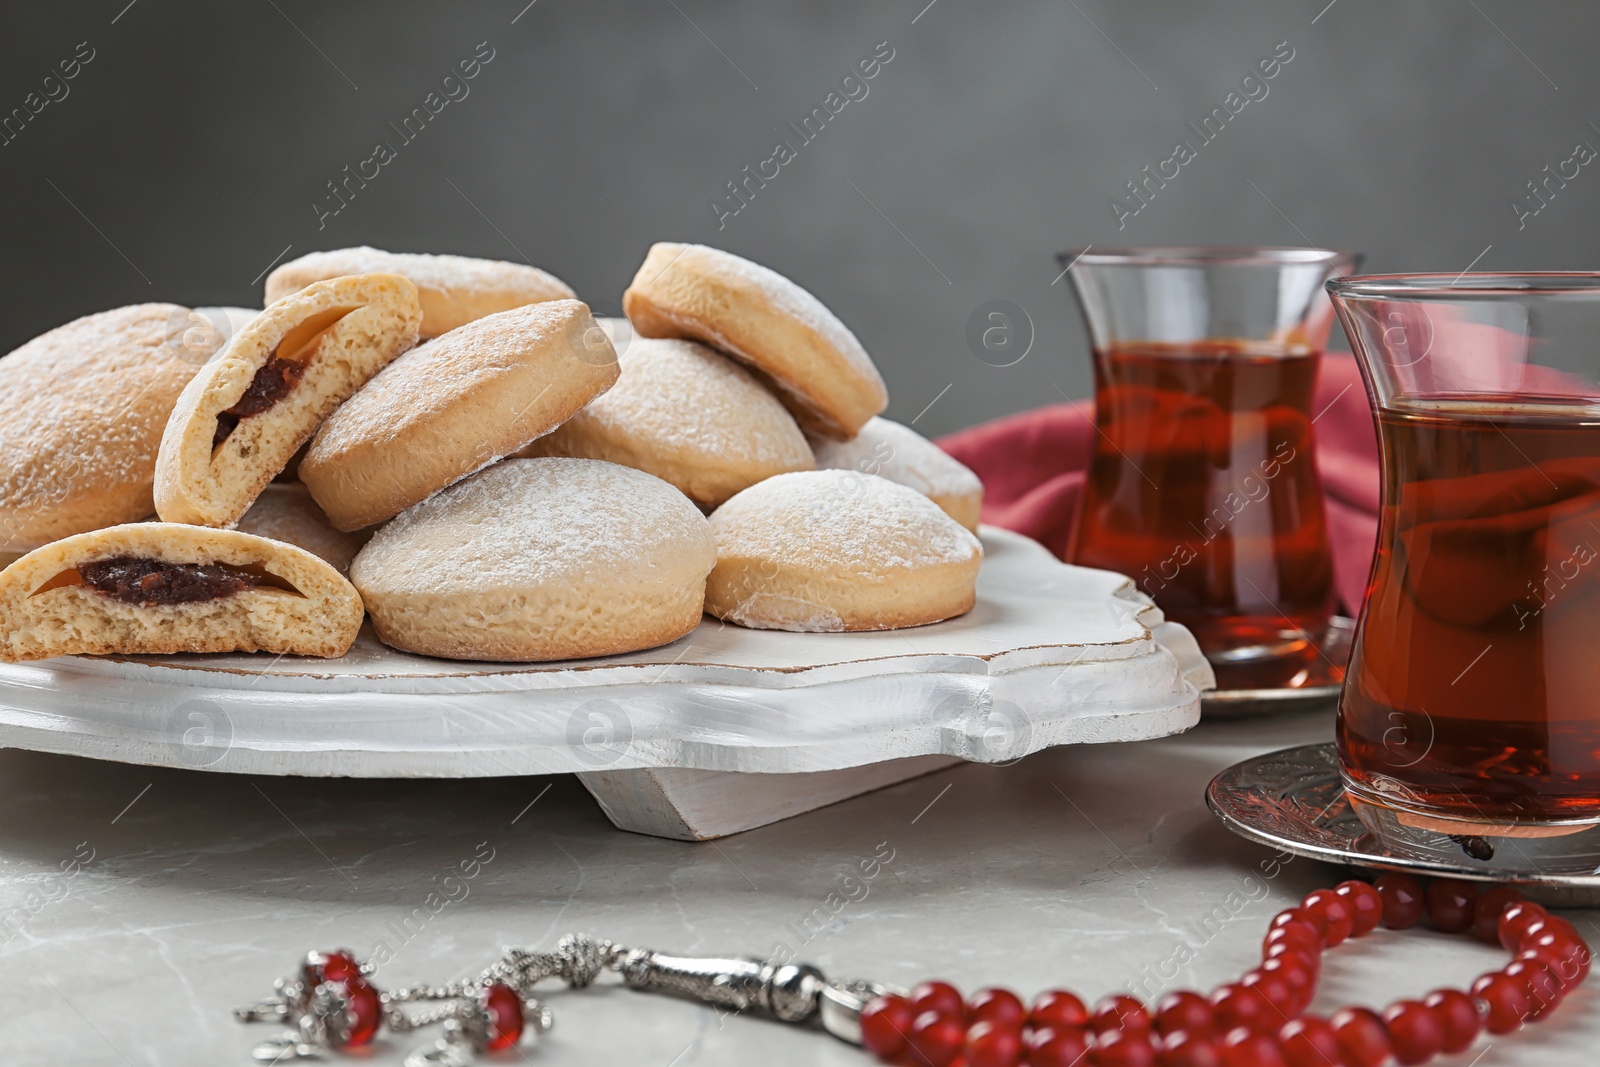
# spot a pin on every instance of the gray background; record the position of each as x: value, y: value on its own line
x: 189, y: 152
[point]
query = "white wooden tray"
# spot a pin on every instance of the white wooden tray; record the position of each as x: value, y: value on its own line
x: 725, y: 729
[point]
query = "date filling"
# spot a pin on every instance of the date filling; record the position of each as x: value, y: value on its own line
x: 274, y: 381
x: 283, y: 370
x: 147, y: 582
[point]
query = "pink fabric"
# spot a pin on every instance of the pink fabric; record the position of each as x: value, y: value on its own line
x: 1032, y: 466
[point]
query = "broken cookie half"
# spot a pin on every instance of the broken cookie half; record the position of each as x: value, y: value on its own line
x: 241, y: 419
x: 157, y: 587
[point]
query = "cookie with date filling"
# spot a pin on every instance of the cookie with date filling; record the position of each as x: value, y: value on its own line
x: 82, y: 409
x: 154, y: 587
x: 242, y: 418
x: 454, y: 290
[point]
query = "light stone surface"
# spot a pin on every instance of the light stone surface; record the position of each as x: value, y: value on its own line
x: 1080, y: 866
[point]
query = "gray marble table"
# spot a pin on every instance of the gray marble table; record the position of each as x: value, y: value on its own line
x: 138, y: 906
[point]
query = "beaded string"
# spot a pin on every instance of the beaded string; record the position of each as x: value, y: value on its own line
x: 1261, y: 1020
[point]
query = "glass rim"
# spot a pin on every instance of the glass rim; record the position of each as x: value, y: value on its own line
x: 1203, y: 255
x: 1465, y: 285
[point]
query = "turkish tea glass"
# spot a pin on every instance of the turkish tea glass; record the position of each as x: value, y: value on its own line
x: 1203, y: 484
x: 1469, y: 725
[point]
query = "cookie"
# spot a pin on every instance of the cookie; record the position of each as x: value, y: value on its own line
x: 829, y: 551
x: 797, y: 346
x: 227, y: 320
x: 539, y: 559
x: 904, y: 456
x: 688, y: 415
x: 454, y: 290
x: 453, y: 405
x: 285, y: 512
x: 242, y: 418
x: 82, y: 409
x: 153, y: 587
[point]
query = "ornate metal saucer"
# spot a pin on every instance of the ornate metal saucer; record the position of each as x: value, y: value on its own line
x: 1294, y: 800
x: 1316, y: 686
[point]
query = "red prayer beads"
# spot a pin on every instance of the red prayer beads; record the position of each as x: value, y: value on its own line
x: 1260, y: 1021
x: 1058, y: 1008
x: 997, y: 1006
x: 506, y: 1020
x: 941, y: 997
x: 1458, y: 1018
x: 363, y: 1004
x: 363, y: 1012
x: 1402, y: 900
x: 1185, y: 1012
x: 1366, y: 906
x: 1450, y: 904
x: 1119, y: 1012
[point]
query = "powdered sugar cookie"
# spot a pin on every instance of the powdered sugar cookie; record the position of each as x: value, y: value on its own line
x: 904, y: 456
x: 828, y: 551
x: 539, y: 559
x: 241, y: 419
x: 82, y: 409
x: 688, y: 415
x: 454, y: 290
x: 798, y: 347
x: 455, y: 404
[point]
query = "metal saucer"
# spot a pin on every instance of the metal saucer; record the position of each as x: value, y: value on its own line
x: 1318, y: 688
x: 1294, y: 800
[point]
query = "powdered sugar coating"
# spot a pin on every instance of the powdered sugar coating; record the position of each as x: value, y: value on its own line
x: 840, y: 520
x: 425, y: 269
x: 687, y: 396
x: 786, y: 296
x: 453, y: 290
x: 435, y: 376
x: 530, y: 523
x: 900, y: 454
x: 82, y: 410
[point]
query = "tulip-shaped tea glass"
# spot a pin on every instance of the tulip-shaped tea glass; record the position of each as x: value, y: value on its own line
x: 1203, y: 485
x: 1469, y: 726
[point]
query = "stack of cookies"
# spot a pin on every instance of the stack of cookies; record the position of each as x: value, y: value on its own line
x: 457, y: 449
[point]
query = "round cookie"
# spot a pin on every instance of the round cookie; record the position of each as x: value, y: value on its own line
x: 82, y: 410
x: 797, y: 346
x: 285, y: 512
x: 454, y: 290
x: 454, y: 405
x: 688, y: 415
x: 904, y: 456
x: 156, y: 587
x: 242, y: 418
x: 829, y: 551
x: 539, y: 559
